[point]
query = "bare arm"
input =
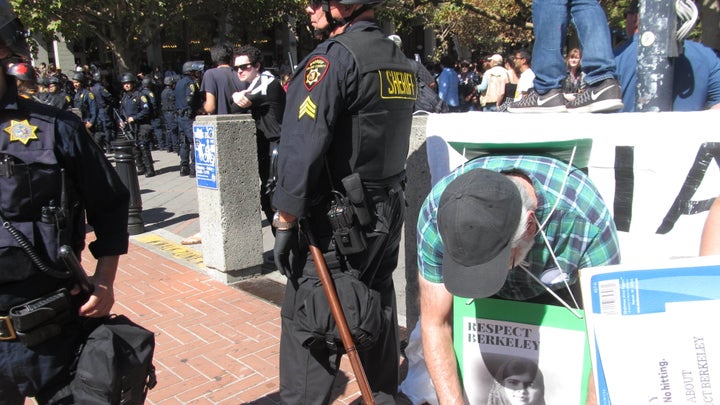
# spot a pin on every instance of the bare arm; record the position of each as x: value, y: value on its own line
x: 710, y: 241
x: 103, y: 296
x: 436, y: 326
x: 210, y: 103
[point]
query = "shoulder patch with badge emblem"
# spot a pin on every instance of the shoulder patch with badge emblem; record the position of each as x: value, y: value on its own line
x: 315, y: 71
x: 21, y: 131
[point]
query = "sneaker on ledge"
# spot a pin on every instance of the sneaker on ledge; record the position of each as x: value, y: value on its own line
x: 604, y: 96
x: 552, y: 101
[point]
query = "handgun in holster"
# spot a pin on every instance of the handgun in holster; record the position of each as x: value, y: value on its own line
x: 348, y: 215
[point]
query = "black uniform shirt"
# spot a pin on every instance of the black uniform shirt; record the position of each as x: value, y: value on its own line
x: 136, y: 105
x: 319, y: 93
x: 100, y: 190
x: 323, y: 100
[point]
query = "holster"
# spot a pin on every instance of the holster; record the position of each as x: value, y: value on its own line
x: 43, y: 318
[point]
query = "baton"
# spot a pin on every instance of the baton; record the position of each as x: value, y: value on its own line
x: 338, y: 315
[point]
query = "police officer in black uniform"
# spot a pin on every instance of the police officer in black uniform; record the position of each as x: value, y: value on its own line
x: 349, y: 111
x: 169, y: 111
x: 156, y: 136
x: 136, y: 112
x: 188, y: 102
x: 56, y: 96
x: 105, y: 130
x: 84, y: 100
x: 52, y: 177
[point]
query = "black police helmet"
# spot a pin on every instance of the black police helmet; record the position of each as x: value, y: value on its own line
x: 22, y: 71
x: 12, y: 32
x: 127, y: 77
x: 97, y: 77
x: 53, y: 80
x: 147, y: 81
x: 79, y: 76
x: 193, y: 66
x: 168, y: 80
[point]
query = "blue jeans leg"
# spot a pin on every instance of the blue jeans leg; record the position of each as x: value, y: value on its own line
x: 550, y: 18
x: 590, y: 20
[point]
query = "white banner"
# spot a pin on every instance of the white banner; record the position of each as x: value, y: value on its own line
x: 657, y: 172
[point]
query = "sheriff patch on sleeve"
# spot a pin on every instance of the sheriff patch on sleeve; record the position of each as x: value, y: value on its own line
x: 315, y: 71
x: 397, y: 84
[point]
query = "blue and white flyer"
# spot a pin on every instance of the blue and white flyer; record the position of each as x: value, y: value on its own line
x: 653, y: 333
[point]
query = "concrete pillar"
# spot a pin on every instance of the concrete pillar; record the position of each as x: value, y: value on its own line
x: 417, y: 188
x: 228, y: 196
x: 64, y: 58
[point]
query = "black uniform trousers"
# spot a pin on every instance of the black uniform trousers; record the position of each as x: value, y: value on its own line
x: 40, y: 371
x: 186, y: 141
x: 307, y: 376
x: 264, y: 152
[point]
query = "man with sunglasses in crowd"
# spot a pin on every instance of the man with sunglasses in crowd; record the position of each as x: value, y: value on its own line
x: 53, y: 177
x: 346, y: 127
x: 265, y: 98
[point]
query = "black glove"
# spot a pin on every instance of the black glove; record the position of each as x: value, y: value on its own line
x: 286, y: 242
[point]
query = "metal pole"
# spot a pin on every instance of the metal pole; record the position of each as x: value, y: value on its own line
x: 125, y: 166
x: 657, y: 48
x: 339, y: 316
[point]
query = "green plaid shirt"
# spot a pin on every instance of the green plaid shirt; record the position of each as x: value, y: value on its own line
x: 580, y: 230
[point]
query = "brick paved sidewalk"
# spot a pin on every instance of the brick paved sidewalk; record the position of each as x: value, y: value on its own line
x: 215, y: 344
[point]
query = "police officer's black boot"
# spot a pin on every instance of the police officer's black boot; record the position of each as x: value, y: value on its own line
x: 148, y: 160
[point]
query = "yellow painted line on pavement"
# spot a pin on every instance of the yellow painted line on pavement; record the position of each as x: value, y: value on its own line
x: 175, y: 249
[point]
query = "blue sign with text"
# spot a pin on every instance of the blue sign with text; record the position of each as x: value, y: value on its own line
x: 205, y: 155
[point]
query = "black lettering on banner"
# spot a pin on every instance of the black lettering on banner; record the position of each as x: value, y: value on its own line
x: 683, y: 204
x: 624, y: 187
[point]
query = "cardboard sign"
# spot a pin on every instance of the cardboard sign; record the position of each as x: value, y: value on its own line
x: 654, y: 325
x: 517, y: 349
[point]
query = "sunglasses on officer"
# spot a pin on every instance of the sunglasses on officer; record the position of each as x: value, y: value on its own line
x: 243, y: 67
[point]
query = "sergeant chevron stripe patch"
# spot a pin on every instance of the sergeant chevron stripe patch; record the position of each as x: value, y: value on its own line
x: 307, y: 108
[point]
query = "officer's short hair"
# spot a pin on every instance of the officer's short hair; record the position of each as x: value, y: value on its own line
x: 221, y: 54
x: 253, y: 54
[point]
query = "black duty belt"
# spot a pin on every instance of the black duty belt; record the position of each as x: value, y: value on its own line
x: 7, y: 331
x: 38, y: 320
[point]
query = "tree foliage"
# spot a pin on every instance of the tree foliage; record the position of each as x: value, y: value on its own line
x: 481, y: 25
x: 127, y: 27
